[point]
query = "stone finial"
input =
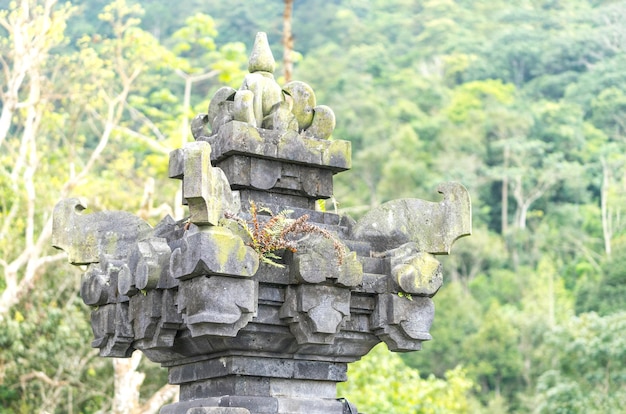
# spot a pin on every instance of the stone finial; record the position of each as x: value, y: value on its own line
x: 261, y: 103
x: 261, y: 58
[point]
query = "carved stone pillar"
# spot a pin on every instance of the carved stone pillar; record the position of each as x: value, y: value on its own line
x: 249, y: 316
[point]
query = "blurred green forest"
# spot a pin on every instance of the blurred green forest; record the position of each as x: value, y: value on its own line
x: 524, y: 102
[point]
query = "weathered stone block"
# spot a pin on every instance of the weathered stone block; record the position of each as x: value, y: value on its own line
x: 217, y: 410
x: 145, y: 312
x: 203, y: 406
x: 416, y: 272
x: 154, y: 260
x: 303, y: 102
x: 95, y: 287
x: 237, y: 170
x: 240, y: 138
x: 217, y: 305
x: 269, y: 367
x: 279, y: 200
x: 309, y: 406
x: 322, y: 124
x: 279, y: 387
x: 220, y: 109
x: 294, y: 147
x: 176, y: 167
x: 157, y: 326
x: 337, y: 155
x: 205, y: 188
x: 317, y: 183
x: 318, y: 260
x: 264, y: 173
x: 112, y: 330
x: 402, y: 322
x: 212, y: 251
x: 315, y: 313
x: 229, y: 385
x: 432, y: 226
x: 86, y: 237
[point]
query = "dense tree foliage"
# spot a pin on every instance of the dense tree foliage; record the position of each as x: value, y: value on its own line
x: 523, y: 102
x: 382, y: 383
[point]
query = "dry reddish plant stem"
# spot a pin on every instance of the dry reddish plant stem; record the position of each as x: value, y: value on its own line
x: 274, y: 235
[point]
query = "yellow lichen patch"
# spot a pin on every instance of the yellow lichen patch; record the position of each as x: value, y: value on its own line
x: 420, y: 275
x: 338, y: 154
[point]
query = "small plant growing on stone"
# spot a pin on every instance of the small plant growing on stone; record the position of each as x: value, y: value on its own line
x: 280, y: 233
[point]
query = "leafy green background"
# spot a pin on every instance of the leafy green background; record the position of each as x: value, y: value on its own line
x: 523, y: 102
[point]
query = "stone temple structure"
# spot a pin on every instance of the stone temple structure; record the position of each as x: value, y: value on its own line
x: 257, y: 302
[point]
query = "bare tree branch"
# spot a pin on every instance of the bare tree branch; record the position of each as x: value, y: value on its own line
x: 41, y: 377
x: 189, y: 81
x: 154, y: 145
x: 136, y: 114
x: 21, y: 272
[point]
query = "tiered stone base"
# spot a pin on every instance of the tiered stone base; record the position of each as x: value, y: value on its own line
x: 236, y: 384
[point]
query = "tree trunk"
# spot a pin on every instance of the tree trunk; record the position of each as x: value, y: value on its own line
x: 287, y: 41
x: 126, y: 384
x: 521, y: 224
x: 607, y: 231
x: 505, y: 194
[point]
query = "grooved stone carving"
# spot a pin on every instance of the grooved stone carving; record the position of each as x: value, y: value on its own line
x: 315, y: 313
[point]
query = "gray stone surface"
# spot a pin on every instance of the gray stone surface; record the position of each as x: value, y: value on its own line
x: 279, y: 177
x: 212, y: 251
x: 303, y: 102
x: 220, y: 106
x: 402, y: 322
x: 315, y: 313
x: 434, y: 227
x: 322, y: 124
x: 85, y: 237
x: 217, y: 305
x: 217, y: 410
x: 236, y: 137
x: 244, y: 337
x: 259, y: 405
x: 251, y: 366
x: 312, y: 263
x: 262, y: 103
x: 205, y: 188
x: 415, y: 272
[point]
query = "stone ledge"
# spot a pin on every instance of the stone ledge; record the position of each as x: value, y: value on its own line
x: 256, y: 405
x: 258, y: 387
x: 261, y: 367
x: 240, y: 138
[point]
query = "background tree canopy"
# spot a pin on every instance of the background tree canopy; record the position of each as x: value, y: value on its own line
x: 523, y: 102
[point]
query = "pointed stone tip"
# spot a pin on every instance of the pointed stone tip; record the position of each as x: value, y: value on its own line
x: 261, y: 58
